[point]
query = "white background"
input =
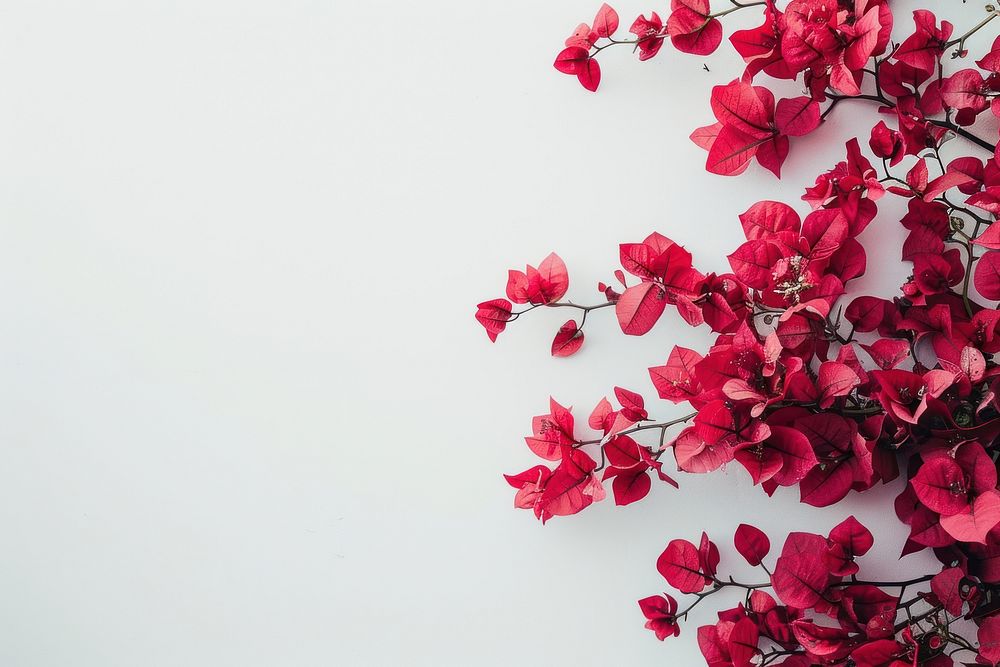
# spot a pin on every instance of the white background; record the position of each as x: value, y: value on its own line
x: 246, y: 416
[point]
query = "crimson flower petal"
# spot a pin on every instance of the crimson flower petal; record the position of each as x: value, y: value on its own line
x: 680, y: 565
x: 568, y: 340
x: 606, y: 21
x: 751, y: 543
x: 639, y: 307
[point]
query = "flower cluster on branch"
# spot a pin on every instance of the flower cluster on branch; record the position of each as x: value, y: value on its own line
x: 806, y: 385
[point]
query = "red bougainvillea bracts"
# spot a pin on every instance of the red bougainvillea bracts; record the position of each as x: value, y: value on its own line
x: 808, y: 384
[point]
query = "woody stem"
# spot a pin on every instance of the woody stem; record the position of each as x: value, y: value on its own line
x: 960, y: 41
x: 560, y: 304
x: 641, y: 427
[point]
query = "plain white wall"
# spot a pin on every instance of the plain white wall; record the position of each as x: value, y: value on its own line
x: 246, y: 416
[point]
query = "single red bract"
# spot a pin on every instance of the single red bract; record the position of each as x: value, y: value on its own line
x: 752, y: 543
x: 681, y: 565
x: 691, y: 27
x: 494, y: 316
x: 568, y: 340
x: 606, y: 21
x: 800, y: 574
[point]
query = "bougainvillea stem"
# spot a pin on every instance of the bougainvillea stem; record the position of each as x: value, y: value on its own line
x: 662, y: 426
x: 962, y: 132
x: 835, y: 99
x: 584, y: 309
x: 735, y: 8
x: 960, y: 41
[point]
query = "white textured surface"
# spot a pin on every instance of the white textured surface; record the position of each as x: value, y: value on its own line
x: 246, y: 417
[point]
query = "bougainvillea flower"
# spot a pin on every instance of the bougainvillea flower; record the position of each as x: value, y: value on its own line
x: 904, y: 394
x: 948, y: 484
x: 820, y: 36
x: 684, y: 567
x: 676, y: 381
x: 760, y: 47
x: 852, y: 187
x: 967, y: 90
x: 552, y: 433
x: 568, y: 340
x: 667, y: 277
x: 576, y: 60
x: 886, y: 144
x: 546, y: 284
x: 660, y: 611
x: 692, y: 28
x: 494, y: 316
x: 845, y: 461
x: 848, y: 540
x: 650, y: 35
x: 748, y: 128
x: 529, y: 484
x: 573, y: 486
x: 924, y: 48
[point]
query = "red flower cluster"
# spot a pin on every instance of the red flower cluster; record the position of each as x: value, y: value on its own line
x: 750, y: 125
x: 838, y: 48
x: 804, y: 385
x: 819, y: 612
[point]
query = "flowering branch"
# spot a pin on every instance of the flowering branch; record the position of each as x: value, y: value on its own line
x: 786, y: 391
